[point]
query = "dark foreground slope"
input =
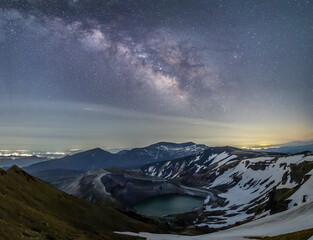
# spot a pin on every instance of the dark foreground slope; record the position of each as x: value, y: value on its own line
x: 32, y: 209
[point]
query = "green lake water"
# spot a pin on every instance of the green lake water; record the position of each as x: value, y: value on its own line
x: 168, y: 204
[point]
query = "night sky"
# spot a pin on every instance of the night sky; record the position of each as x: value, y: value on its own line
x: 76, y: 74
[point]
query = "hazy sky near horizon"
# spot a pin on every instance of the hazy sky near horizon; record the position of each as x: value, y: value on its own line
x: 76, y: 74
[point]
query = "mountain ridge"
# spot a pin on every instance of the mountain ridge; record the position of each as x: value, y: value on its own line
x: 98, y: 158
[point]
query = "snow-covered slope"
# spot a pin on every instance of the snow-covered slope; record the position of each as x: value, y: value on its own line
x: 197, y: 163
x: 242, y: 188
x: 250, y: 185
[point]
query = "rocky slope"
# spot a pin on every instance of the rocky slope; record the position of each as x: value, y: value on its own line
x: 122, y: 187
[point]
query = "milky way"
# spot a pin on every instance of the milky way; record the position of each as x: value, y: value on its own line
x: 97, y: 73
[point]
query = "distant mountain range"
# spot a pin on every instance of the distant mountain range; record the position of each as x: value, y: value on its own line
x: 98, y: 158
x: 296, y: 143
x: 8, y: 161
x: 292, y: 147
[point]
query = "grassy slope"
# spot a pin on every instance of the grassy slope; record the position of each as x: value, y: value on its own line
x: 32, y: 209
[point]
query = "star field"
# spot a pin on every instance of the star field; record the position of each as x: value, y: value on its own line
x: 119, y: 73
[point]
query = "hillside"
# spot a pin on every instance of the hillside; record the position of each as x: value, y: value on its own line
x: 32, y: 209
